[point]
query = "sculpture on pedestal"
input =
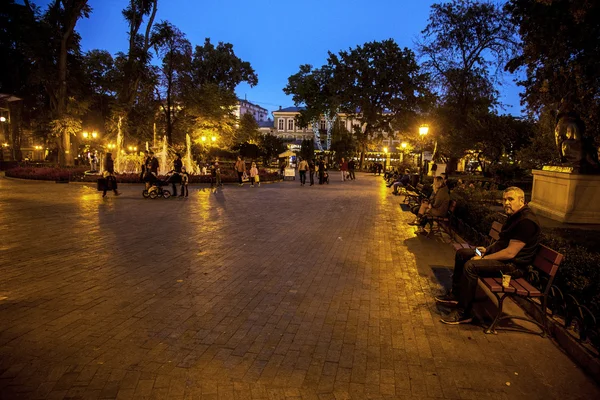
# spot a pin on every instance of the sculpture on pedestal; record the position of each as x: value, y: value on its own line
x: 576, y: 151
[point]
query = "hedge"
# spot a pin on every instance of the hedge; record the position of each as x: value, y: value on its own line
x: 78, y: 175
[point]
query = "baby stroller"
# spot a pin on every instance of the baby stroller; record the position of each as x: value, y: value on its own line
x: 156, y: 190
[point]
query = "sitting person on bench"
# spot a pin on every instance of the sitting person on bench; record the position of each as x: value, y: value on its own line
x: 511, y: 254
x: 436, y: 205
x: 402, y: 182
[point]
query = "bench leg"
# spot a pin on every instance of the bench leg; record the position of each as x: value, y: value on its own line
x: 492, y: 327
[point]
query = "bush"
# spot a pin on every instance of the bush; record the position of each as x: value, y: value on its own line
x: 77, y: 174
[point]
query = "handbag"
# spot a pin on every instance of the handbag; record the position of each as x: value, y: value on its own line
x: 102, y: 184
x: 245, y: 177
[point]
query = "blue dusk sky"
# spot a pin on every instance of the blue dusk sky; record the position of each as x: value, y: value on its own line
x: 276, y: 37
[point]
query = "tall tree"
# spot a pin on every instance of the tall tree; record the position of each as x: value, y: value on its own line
x: 247, y: 131
x: 560, y: 55
x: 465, y: 46
x: 380, y: 84
x: 208, y: 89
x: 138, y: 55
x: 175, y: 52
x: 59, y: 21
x: 314, y: 89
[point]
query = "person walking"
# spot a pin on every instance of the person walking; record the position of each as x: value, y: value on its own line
x: 254, y: 178
x: 344, y: 169
x: 109, y: 174
x: 302, y: 168
x: 321, y: 171
x: 215, y: 175
x: 311, y: 169
x: 351, y: 168
x: 433, y: 169
x: 240, y: 168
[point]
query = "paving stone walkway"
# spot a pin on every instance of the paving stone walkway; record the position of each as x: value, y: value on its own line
x: 277, y: 292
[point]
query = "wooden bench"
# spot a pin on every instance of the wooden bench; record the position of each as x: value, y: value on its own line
x: 412, y: 194
x: 442, y: 224
x: 493, y: 235
x: 546, y: 262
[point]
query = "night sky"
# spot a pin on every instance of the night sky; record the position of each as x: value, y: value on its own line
x: 276, y: 37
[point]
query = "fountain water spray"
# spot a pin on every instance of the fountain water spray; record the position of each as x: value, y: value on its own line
x: 190, y: 165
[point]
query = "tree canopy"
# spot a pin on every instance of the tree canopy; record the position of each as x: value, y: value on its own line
x: 560, y: 56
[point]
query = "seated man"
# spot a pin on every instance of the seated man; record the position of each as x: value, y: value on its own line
x: 402, y: 181
x: 511, y: 254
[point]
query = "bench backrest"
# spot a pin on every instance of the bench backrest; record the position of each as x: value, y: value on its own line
x: 451, y: 206
x: 495, y: 231
x: 547, y: 260
x: 420, y: 187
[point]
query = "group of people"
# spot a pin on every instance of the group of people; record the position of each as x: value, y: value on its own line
x: 321, y: 169
x: 511, y: 254
x: 242, y: 173
x: 177, y: 175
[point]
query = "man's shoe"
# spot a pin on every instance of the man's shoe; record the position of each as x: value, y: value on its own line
x: 457, y: 317
x: 447, y: 299
x: 413, y: 223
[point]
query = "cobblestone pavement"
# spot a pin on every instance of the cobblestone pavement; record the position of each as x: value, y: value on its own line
x: 277, y: 292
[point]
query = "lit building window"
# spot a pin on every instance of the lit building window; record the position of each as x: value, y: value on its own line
x: 323, y: 125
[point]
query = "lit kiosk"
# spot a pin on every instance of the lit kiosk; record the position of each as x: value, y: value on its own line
x: 569, y: 192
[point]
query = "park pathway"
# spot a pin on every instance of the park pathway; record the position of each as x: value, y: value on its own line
x: 277, y: 292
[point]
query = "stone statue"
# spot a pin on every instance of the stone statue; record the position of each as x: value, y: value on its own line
x: 575, y: 150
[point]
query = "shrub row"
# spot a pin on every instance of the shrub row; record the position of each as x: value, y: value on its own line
x: 78, y: 175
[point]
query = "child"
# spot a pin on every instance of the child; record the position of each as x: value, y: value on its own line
x: 185, y: 178
x: 254, y: 175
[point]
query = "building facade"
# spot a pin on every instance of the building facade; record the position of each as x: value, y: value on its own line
x: 285, y: 127
x: 245, y: 107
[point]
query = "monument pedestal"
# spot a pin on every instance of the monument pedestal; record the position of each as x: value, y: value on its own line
x: 566, y: 197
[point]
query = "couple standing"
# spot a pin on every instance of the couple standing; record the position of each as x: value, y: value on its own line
x: 306, y: 166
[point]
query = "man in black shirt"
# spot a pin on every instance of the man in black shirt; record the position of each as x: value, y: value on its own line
x: 511, y: 254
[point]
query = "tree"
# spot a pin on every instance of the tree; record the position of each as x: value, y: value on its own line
x: 175, y: 52
x: 561, y: 57
x: 271, y: 146
x: 376, y: 84
x: 208, y: 88
x: 137, y: 57
x: 465, y: 46
x: 247, y: 131
x: 315, y: 89
x: 307, y: 149
x: 59, y: 24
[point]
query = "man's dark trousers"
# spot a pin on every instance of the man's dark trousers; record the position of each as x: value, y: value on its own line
x: 467, y: 271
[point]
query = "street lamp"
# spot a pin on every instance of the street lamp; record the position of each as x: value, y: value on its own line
x: 85, y: 134
x: 387, y: 158
x: 403, y: 145
x: 2, y: 119
x: 214, y: 138
x: 423, y: 131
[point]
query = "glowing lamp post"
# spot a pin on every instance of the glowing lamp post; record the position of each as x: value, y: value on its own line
x: 387, y: 158
x: 403, y: 145
x: 423, y: 131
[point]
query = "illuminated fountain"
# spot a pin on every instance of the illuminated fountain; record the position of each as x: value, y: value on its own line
x: 190, y: 165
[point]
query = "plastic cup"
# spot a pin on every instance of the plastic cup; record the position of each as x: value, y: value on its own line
x: 505, y: 281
